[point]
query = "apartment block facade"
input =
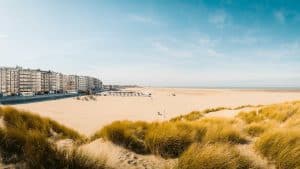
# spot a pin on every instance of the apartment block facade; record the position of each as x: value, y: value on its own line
x: 9, y: 80
x: 30, y: 81
x: 87, y: 83
x: 22, y: 81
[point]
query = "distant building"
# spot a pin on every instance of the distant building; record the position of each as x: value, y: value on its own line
x: 30, y: 82
x: 70, y: 83
x: 9, y: 80
x: 51, y: 82
x: 83, y: 84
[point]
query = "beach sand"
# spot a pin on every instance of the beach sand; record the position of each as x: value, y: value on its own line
x: 89, y: 116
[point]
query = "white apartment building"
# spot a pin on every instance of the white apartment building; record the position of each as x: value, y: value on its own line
x: 70, y: 83
x: 9, y: 80
x: 83, y: 83
x: 30, y: 81
x: 45, y: 81
x: 87, y: 83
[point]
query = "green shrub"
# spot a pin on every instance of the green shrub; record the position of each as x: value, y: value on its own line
x: 214, y: 156
x: 170, y: 139
x: 281, y: 146
x: 126, y: 133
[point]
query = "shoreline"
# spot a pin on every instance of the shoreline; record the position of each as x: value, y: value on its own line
x: 271, y: 89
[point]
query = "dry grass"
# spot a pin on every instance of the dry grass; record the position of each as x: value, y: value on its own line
x: 24, y: 121
x: 129, y: 134
x: 251, y: 117
x: 223, y: 130
x: 214, y: 156
x: 281, y: 146
x: 170, y: 139
x: 196, y: 115
x: 277, y: 112
x: 257, y: 128
x: 26, y: 139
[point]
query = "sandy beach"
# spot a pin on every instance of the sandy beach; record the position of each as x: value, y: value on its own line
x: 89, y: 116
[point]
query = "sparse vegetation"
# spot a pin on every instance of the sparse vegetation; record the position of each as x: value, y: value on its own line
x: 196, y: 115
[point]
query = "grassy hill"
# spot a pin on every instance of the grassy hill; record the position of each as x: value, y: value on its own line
x: 266, y: 137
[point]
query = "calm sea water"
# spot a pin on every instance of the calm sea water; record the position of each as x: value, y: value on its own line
x: 237, y: 88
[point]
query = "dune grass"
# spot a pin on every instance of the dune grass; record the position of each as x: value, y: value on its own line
x: 129, y: 134
x: 196, y: 115
x: 26, y: 139
x: 257, y: 128
x: 171, y: 139
x: 24, y: 121
x: 251, y: 117
x: 221, y: 130
x: 277, y: 112
x: 281, y: 146
x: 214, y: 156
x: 34, y: 149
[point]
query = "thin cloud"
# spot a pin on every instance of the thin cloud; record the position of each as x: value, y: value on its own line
x: 279, y: 16
x: 207, y: 42
x: 3, y: 36
x: 247, y: 40
x: 219, y: 18
x: 201, y: 48
x: 143, y: 19
x: 286, y: 50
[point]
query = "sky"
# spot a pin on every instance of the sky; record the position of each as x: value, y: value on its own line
x: 186, y: 43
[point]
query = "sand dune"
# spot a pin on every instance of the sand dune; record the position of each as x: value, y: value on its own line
x: 89, y: 116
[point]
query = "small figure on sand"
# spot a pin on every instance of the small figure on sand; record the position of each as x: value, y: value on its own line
x: 159, y: 114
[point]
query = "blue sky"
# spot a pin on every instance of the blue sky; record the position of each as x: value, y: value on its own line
x: 157, y: 42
